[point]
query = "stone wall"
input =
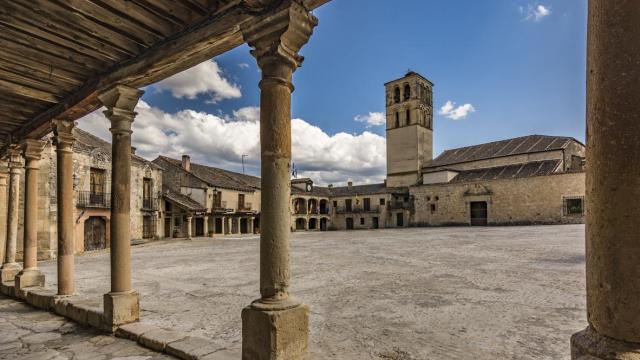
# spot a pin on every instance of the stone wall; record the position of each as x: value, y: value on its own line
x: 534, y: 200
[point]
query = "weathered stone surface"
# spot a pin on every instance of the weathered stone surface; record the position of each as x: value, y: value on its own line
x: 222, y: 354
x: 40, y: 338
x: 159, y: 338
x: 134, y: 330
x: 275, y: 335
x: 121, y: 308
x: 191, y: 348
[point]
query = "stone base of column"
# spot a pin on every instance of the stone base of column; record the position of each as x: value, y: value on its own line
x: 275, y: 334
x: 589, y: 345
x: 9, y: 271
x: 29, y: 278
x: 121, y: 308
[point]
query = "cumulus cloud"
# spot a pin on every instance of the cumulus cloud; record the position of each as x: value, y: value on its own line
x: 535, y: 12
x: 221, y: 140
x: 205, y: 78
x: 450, y: 111
x: 372, y: 119
x: 243, y: 66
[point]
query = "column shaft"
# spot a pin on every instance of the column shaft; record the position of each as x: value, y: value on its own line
x: 12, y: 213
x: 66, y: 247
x: 4, y: 176
x: 613, y: 152
x: 188, y: 227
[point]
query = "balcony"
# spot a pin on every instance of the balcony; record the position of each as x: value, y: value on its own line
x: 244, y: 207
x: 357, y: 210
x: 324, y: 211
x: 88, y: 199
x: 220, y: 207
x: 150, y: 204
x: 302, y: 210
x: 399, y: 205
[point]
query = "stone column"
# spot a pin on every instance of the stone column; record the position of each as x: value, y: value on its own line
x: 10, y: 268
x: 189, y: 227
x: 63, y: 131
x: 30, y: 275
x: 228, y: 223
x: 4, y: 177
x: 612, y: 187
x: 206, y: 226
x: 121, y: 305
x: 276, y: 326
x: 238, y: 223
x: 250, y: 225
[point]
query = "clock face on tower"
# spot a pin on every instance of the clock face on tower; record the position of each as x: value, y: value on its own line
x: 308, y: 187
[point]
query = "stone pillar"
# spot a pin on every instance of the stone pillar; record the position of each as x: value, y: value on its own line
x: 612, y: 188
x: 206, y: 226
x: 121, y: 305
x: 189, y: 227
x: 250, y: 225
x: 228, y: 223
x: 30, y: 275
x: 276, y: 326
x: 10, y: 268
x: 4, y: 178
x: 63, y: 131
x: 238, y: 223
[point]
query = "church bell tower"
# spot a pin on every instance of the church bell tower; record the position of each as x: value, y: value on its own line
x: 409, y: 128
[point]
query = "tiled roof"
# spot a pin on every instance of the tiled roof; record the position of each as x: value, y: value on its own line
x: 368, y: 189
x: 529, y: 169
x: 515, y: 146
x: 181, y: 200
x: 218, y: 177
x: 316, y: 191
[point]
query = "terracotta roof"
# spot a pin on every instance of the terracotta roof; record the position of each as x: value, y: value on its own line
x: 316, y: 191
x: 515, y: 146
x: 524, y: 170
x: 217, y: 177
x: 368, y: 189
x: 181, y: 200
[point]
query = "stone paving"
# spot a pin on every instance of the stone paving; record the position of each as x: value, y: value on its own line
x: 27, y: 333
x: 407, y: 294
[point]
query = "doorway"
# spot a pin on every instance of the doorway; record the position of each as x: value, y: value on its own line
x: 95, y: 234
x: 244, y: 226
x: 400, y: 220
x: 200, y: 227
x: 478, y: 213
x: 349, y: 223
x: 374, y: 223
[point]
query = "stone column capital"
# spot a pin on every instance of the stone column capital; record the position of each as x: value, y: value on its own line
x: 120, y: 101
x: 280, y: 36
x: 14, y: 157
x: 63, y: 134
x: 32, y: 150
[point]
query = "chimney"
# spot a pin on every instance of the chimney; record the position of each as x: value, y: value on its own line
x: 330, y: 186
x: 186, y: 162
x: 350, y: 184
x: 385, y: 182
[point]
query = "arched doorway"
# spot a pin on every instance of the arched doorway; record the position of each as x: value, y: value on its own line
x: 323, y: 224
x: 95, y: 233
x: 313, y: 206
x: 313, y: 224
x: 324, y: 206
x: 301, y: 224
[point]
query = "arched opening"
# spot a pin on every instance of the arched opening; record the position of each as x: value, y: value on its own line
x: 313, y: 224
x: 408, y: 116
x: 299, y: 206
x: 407, y: 92
x: 396, y: 94
x: 301, y: 224
x: 323, y: 224
x: 95, y: 233
x: 324, y: 206
x: 313, y: 206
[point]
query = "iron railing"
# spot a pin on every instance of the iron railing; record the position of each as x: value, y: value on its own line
x: 93, y: 199
x: 149, y: 227
x: 398, y: 205
x: 244, y: 207
x: 221, y: 206
x: 357, y: 209
x: 324, y: 211
x: 150, y: 204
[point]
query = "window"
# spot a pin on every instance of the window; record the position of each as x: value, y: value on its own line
x: 367, y: 204
x: 167, y: 206
x: 434, y: 208
x: 240, y: 201
x: 361, y: 221
x: 396, y: 95
x: 347, y: 204
x: 574, y: 206
x: 382, y: 201
x: 96, y: 181
x: 407, y: 92
x: 408, y: 121
x: 335, y: 204
x: 397, y: 119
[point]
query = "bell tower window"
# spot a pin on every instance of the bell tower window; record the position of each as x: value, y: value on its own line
x: 396, y: 95
x: 407, y: 92
x: 408, y: 117
x: 397, y: 119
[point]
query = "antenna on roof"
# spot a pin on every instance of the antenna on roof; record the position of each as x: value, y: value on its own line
x: 294, y: 172
x: 243, y: 156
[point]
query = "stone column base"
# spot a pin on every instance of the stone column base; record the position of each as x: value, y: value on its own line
x: 9, y: 271
x: 589, y: 345
x: 29, y: 278
x: 275, y: 334
x: 121, y: 308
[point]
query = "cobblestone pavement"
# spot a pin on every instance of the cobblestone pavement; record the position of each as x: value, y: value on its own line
x: 27, y: 333
x: 408, y: 294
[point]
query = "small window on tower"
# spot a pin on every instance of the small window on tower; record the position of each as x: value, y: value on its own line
x: 408, y: 117
x: 407, y: 92
x: 397, y: 119
x: 396, y: 95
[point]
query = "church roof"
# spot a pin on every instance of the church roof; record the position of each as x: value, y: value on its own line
x: 524, y: 170
x: 515, y: 146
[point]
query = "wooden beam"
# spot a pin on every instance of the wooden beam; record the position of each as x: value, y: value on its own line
x: 28, y: 92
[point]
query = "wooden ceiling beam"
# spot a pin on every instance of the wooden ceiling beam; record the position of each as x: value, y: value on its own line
x: 28, y: 92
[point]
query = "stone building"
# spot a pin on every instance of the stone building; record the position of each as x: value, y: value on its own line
x: 202, y: 200
x: 92, y: 198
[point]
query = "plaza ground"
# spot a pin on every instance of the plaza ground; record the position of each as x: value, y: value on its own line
x: 418, y: 293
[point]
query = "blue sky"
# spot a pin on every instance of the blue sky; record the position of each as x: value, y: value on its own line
x: 519, y: 64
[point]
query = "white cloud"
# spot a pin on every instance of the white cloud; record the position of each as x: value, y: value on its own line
x: 204, y: 78
x: 449, y: 110
x: 535, y: 12
x: 372, y: 119
x: 243, y: 66
x: 221, y: 140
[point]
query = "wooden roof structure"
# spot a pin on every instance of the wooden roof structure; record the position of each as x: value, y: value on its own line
x: 56, y: 55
